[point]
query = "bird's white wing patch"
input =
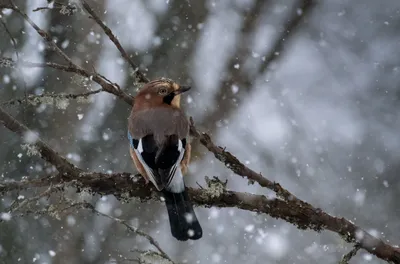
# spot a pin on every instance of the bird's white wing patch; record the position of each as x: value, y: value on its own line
x: 149, y: 171
x: 175, y: 183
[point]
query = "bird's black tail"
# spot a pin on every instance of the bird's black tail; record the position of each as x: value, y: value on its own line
x: 182, y: 219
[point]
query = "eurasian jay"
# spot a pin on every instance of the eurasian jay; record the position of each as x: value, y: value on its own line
x: 158, y: 132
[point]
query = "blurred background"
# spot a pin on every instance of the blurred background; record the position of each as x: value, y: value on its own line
x: 305, y: 92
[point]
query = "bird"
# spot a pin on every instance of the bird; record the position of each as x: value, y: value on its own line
x: 158, y: 131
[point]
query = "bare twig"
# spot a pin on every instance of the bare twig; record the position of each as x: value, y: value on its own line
x: 14, y: 43
x: 25, y: 202
x: 65, y: 9
x: 150, y: 256
x: 99, y: 79
x: 44, y: 35
x: 133, y: 229
x: 42, y: 8
x: 51, y: 210
x: 12, y: 185
x: 346, y: 258
x: 304, y: 7
x: 139, y: 76
x: 43, y: 98
x: 232, y: 163
x: 227, y: 101
x: 107, y: 85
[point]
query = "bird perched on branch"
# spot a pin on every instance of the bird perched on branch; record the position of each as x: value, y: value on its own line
x: 158, y: 132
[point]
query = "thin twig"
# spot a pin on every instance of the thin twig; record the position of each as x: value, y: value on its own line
x: 37, y: 99
x: 44, y: 35
x: 133, y: 229
x: 139, y: 76
x: 234, y: 164
x: 65, y: 9
x: 14, y: 43
x: 72, y: 67
x: 245, y: 80
x: 25, y: 202
x: 42, y: 8
x: 12, y: 185
x: 99, y: 79
x: 346, y: 258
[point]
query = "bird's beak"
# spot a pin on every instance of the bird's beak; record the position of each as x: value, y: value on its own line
x: 182, y: 89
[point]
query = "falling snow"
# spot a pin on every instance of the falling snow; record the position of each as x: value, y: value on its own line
x: 31, y: 137
x: 5, y: 216
x: 62, y: 103
x: 276, y: 246
x: 235, y: 88
x: 314, y: 108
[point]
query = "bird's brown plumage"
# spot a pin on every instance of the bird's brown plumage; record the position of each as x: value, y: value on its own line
x: 159, y: 121
x: 149, y: 113
x: 159, y: 135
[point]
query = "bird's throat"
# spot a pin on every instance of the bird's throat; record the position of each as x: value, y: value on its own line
x: 168, y: 98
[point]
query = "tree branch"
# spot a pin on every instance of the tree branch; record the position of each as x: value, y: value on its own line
x: 123, y: 185
x: 45, y: 98
x: 151, y: 240
x: 291, y: 209
x: 346, y: 258
x: 293, y: 23
x: 63, y: 166
x: 227, y: 102
x: 104, y: 82
x: 224, y: 156
x: 139, y: 76
x: 232, y: 163
x: 108, y: 86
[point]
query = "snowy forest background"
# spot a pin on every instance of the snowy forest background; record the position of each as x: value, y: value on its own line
x: 320, y: 116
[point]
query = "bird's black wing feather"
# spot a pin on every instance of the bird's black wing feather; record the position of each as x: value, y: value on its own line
x: 160, y: 162
x: 146, y: 150
x: 169, y: 157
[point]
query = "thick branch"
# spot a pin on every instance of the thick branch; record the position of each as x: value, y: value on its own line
x: 123, y: 185
x: 46, y: 153
x: 232, y: 163
x: 204, y: 139
x: 225, y: 157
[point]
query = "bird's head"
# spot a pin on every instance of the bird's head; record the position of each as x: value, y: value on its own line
x: 161, y: 92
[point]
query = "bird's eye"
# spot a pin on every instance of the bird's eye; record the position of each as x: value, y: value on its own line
x: 162, y: 91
